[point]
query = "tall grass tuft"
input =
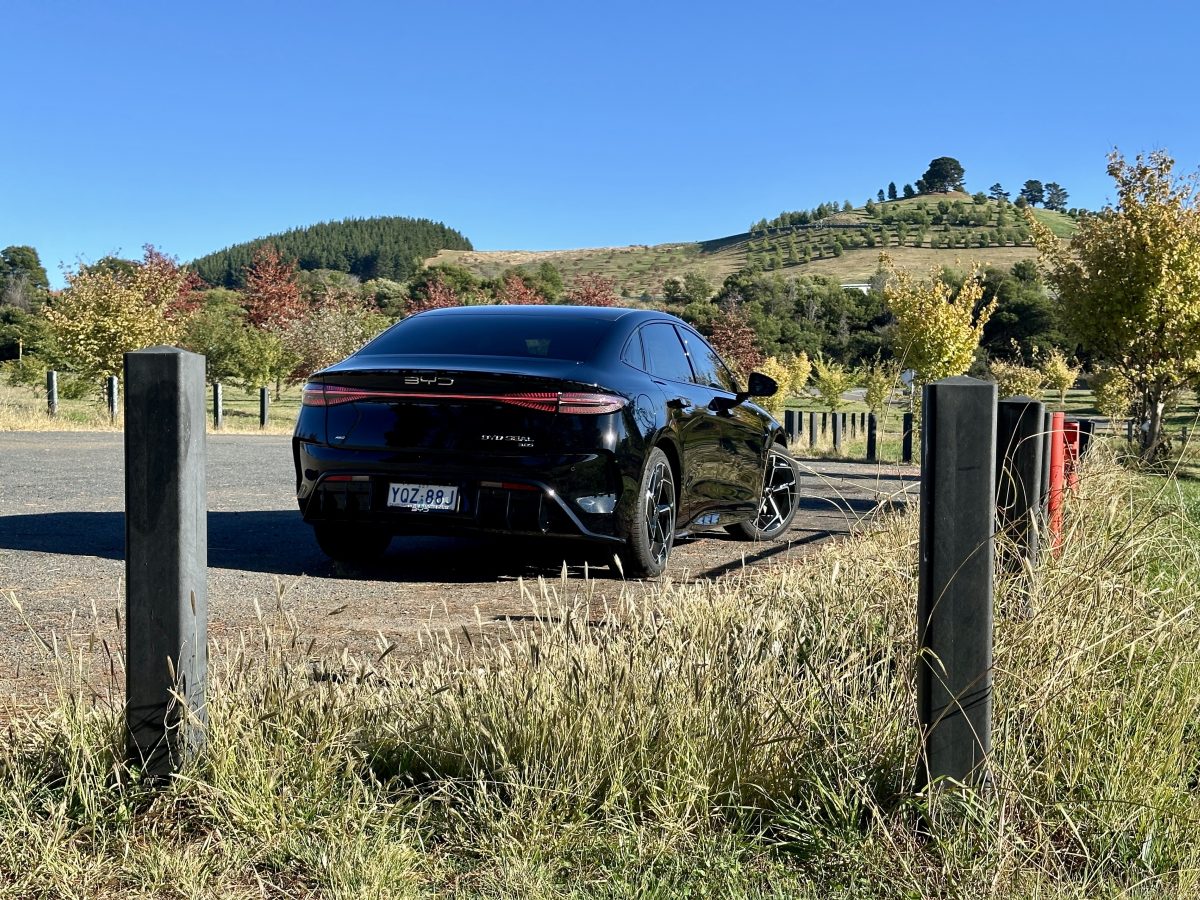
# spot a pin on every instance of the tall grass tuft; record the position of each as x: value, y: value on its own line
x: 754, y: 736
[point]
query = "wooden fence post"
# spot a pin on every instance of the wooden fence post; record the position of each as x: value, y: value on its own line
x: 52, y: 393
x: 218, y: 406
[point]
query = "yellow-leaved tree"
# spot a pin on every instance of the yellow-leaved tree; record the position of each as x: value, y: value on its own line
x: 1059, y: 373
x: 832, y: 380
x: 107, y: 310
x: 1128, y: 283
x: 937, y: 327
x: 878, y: 379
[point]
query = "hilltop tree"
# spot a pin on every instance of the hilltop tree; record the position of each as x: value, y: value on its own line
x: 937, y: 328
x: 272, y: 293
x: 909, y: 193
x: 881, y: 196
x: 1033, y: 193
x: 1128, y: 284
x: 997, y: 192
x: 1056, y: 197
x: 892, y: 190
x: 922, y: 187
x: 944, y: 174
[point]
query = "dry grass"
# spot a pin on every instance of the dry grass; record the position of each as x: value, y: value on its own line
x: 748, y: 738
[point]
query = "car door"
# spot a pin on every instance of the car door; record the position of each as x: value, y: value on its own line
x: 741, y: 428
x: 686, y: 403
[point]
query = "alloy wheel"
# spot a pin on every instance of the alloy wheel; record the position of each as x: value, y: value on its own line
x: 780, y: 493
x: 660, y: 512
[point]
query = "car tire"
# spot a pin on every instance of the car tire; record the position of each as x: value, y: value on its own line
x: 650, y: 531
x: 780, y: 499
x: 355, y: 544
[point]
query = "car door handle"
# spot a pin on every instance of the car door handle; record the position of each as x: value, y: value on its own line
x: 681, y: 403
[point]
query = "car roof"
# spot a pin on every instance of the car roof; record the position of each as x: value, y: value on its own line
x: 609, y: 313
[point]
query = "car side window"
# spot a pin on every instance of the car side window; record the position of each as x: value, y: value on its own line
x: 633, y: 352
x: 665, y: 356
x: 710, y: 370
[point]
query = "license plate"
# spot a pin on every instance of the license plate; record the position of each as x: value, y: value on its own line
x: 423, y: 497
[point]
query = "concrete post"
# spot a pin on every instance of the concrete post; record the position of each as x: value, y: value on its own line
x: 838, y: 424
x: 906, y: 439
x: 812, y: 429
x: 954, y: 603
x: 218, y: 406
x: 166, y: 557
x: 110, y: 394
x: 264, y: 406
x: 52, y: 393
x: 872, y: 438
x: 1019, y: 423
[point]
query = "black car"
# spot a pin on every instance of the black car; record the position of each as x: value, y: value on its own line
x: 618, y: 427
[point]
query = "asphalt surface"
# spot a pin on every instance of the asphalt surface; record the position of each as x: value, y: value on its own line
x: 62, y: 536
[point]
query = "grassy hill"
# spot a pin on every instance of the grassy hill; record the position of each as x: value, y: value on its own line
x: 914, y: 232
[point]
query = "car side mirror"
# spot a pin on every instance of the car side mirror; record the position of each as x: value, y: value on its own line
x: 761, y: 385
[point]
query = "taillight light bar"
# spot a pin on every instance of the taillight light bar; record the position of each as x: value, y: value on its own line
x: 571, y: 402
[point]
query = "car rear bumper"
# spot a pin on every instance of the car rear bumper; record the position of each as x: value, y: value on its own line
x: 514, y: 495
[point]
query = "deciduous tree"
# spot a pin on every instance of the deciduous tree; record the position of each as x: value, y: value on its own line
x: 1059, y: 373
x: 1128, y: 284
x: 108, y: 311
x: 593, y: 290
x: 937, y: 328
x: 832, y: 380
x: 272, y: 293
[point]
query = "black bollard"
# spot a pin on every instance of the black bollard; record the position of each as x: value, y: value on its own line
x: 837, y: 433
x: 812, y: 429
x: 1019, y: 425
x: 166, y: 558
x: 264, y: 406
x: 956, y: 565
x: 110, y: 394
x: 218, y: 406
x: 906, y: 439
x: 872, y: 438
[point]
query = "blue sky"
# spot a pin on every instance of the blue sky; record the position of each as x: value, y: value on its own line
x: 543, y: 126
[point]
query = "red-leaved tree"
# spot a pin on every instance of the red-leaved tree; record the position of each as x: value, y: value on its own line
x: 593, y: 290
x: 272, y: 293
x: 436, y: 295
x: 735, y: 340
x: 516, y: 292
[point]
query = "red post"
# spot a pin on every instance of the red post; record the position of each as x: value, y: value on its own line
x: 1057, y: 475
x: 1071, y: 453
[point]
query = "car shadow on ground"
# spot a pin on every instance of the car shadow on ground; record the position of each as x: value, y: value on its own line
x: 278, y: 542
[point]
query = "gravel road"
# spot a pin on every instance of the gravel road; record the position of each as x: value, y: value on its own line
x: 62, y: 537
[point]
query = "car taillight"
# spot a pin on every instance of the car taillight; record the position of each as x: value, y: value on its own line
x: 334, y: 395
x: 572, y: 402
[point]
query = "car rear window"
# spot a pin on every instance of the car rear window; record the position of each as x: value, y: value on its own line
x: 542, y: 337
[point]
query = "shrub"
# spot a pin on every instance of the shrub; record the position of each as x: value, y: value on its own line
x: 1014, y: 379
x: 1113, y: 393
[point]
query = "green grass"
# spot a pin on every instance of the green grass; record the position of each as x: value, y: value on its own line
x: 747, y: 738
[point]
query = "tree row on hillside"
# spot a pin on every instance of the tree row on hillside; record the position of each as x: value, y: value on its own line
x: 392, y: 247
